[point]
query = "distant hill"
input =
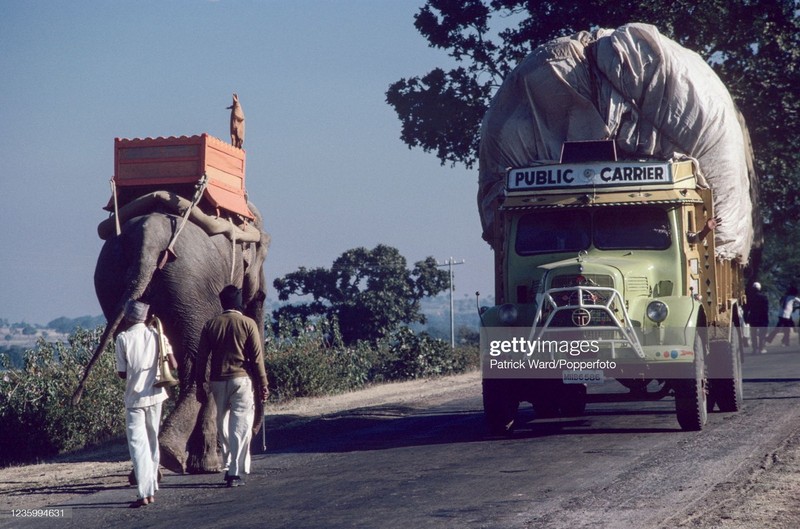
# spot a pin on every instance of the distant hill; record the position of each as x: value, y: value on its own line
x: 68, y: 325
x: 16, y: 338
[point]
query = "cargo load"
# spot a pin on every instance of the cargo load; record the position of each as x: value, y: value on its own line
x: 654, y: 98
x: 197, y: 177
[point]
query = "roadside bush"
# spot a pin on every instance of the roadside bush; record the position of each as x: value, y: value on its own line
x: 305, y: 360
x: 37, y: 419
x: 407, y: 355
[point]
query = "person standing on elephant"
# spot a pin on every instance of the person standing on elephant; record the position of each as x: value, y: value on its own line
x: 232, y: 344
x: 137, y: 360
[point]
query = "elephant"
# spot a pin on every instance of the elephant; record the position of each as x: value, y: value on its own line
x: 182, y: 286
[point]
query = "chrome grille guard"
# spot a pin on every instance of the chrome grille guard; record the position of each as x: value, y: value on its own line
x: 587, y: 300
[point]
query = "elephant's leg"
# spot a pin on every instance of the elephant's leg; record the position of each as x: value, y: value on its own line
x: 188, y: 437
x: 203, y: 451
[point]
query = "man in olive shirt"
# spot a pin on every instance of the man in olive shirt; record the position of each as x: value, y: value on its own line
x: 232, y: 342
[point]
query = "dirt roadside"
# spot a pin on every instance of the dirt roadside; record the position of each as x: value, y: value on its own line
x: 765, y: 495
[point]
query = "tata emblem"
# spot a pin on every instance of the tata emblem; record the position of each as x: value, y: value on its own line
x: 581, y: 317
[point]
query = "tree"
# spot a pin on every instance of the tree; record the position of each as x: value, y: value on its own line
x: 369, y: 292
x: 753, y: 45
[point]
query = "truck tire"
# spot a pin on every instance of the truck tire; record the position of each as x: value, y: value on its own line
x: 725, y: 374
x: 690, y: 394
x: 500, y: 403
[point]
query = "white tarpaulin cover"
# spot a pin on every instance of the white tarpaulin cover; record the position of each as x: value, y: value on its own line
x: 654, y: 97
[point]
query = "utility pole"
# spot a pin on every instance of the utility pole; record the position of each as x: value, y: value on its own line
x: 450, y: 263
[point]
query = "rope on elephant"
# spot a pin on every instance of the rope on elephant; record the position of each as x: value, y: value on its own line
x: 176, y: 203
x: 117, y: 227
x: 198, y: 194
x: 233, y: 249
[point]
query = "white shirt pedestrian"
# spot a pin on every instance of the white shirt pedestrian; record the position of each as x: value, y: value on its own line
x: 137, y: 362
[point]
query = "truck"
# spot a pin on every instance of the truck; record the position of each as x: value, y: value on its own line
x: 617, y: 192
x: 608, y: 271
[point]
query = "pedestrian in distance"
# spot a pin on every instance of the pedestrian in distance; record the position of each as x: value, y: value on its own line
x: 756, y: 314
x: 788, y: 304
x: 137, y: 357
x: 231, y: 344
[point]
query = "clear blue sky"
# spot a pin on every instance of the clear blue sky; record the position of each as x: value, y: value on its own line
x: 324, y: 160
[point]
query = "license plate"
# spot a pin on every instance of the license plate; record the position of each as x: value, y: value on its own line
x: 587, y: 376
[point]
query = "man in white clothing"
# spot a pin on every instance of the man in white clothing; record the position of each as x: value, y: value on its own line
x: 137, y: 361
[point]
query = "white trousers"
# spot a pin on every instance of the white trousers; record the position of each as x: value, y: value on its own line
x: 223, y: 439
x: 142, y: 432
x: 235, y: 414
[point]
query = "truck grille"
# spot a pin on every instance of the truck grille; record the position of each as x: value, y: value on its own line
x: 570, y: 296
x: 598, y: 318
x: 582, y: 279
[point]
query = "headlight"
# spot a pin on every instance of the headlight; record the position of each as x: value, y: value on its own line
x: 657, y: 311
x: 507, y: 314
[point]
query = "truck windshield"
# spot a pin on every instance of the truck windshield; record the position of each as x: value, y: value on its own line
x: 631, y: 228
x: 553, y: 231
x: 635, y: 228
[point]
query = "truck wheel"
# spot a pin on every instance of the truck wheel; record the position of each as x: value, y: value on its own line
x: 725, y: 374
x: 690, y: 394
x: 500, y: 403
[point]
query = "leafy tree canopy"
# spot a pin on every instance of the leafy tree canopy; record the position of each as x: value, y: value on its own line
x: 369, y: 292
x: 753, y: 45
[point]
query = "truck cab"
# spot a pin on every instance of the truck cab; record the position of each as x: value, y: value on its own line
x: 606, y: 272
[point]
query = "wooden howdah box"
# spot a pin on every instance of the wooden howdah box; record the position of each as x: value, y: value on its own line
x: 142, y: 165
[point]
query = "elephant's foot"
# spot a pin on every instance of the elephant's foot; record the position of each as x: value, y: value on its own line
x: 208, y: 463
x: 204, y: 457
x: 189, y: 436
x: 203, y: 454
x: 177, y: 453
x: 171, y: 458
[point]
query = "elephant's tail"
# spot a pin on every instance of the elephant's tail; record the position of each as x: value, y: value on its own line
x: 104, y: 339
x: 133, y: 292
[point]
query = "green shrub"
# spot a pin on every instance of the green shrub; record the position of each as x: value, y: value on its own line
x: 305, y: 360
x: 406, y: 355
x: 37, y: 419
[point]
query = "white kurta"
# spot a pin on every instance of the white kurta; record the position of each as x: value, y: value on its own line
x: 137, y: 357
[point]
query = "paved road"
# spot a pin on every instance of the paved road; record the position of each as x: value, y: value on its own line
x: 621, y: 465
